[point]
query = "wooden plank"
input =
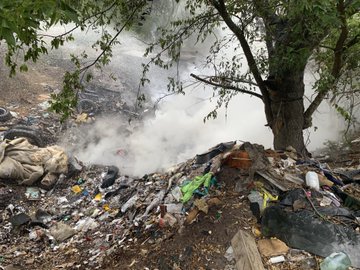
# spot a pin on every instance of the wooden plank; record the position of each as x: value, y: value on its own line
x: 246, y: 253
x: 270, y: 178
x: 294, y: 179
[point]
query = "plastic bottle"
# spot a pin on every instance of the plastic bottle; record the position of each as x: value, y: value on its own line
x: 130, y: 203
x: 312, y: 180
x: 336, y: 261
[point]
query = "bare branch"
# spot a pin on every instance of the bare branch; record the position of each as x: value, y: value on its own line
x: 82, y: 70
x: 63, y: 34
x: 221, y: 8
x: 327, y: 47
x: 231, y: 87
x: 239, y: 80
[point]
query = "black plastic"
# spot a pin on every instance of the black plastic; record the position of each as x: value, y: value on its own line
x: 110, y: 177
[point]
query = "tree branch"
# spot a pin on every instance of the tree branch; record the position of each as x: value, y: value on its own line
x: 109, y: 43
x: 352, y: 42
x: 239, y: 80
x: 336, y: 68
x: 226, y: 86
x: 327, y: 47
x: 239, y: 33
x: 231, y: 79
x: 80, y: 24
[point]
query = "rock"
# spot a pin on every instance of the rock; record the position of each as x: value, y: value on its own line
x: 170, y: 219
x: 308, y: 264
x: 229, y: 254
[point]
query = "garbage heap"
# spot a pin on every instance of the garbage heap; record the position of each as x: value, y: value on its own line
x: 83, y: 216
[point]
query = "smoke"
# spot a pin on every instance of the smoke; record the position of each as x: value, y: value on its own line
x: 177, y: 130
x: 176, y: 133
x: 327, y: 123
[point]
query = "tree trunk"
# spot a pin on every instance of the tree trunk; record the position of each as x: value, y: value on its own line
x: 286, y: 92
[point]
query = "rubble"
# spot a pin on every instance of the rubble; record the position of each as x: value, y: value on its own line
x: 183, y: 218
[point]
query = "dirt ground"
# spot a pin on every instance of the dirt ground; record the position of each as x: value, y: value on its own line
x: 27, y: 89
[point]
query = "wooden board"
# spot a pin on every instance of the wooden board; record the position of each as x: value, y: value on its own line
x: 246, y: 253
x: 272, y: 180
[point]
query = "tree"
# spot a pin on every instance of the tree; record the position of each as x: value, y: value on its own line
x: 287, y: 34
x: 325, y: 32
x: 20, y: 22
x: 23, y: 26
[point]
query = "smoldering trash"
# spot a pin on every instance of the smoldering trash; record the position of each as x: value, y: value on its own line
x: 290, y: 212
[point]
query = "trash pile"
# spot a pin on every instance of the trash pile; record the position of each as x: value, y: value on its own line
x: 86, y: 215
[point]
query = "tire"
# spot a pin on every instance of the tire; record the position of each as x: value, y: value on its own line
x: 32, y: 135
x: 5, y: 115
x: 24, y: 127
x: 86, y: 106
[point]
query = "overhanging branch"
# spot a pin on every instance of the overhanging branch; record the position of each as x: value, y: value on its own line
x: 231, y: 87
x: 239, y: 33
x: 81, y: 23
x: 108, y: 45
x: 336, y: 67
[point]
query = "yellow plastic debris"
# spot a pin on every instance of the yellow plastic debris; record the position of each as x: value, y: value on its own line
x: 267, y: 196
x: 256, y: 231
x: 98, y: 197
x: 106, y: 207
x: 76, y: 189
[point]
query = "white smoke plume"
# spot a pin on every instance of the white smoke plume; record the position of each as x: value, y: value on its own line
x: 177, y: 132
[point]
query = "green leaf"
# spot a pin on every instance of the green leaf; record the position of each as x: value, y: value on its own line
x: 23, y: 68
x: 8, y: 35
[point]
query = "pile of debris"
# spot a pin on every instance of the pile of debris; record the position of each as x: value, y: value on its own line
x: 83, y: 217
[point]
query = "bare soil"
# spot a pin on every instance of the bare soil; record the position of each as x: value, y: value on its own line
x: 27, y: 89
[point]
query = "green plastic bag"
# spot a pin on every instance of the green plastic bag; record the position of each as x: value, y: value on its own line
x: 189, y: 188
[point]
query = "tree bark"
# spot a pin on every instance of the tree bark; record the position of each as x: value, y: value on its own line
x: 287, y: 109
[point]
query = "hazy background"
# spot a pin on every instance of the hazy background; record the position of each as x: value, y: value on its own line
x: 177, y: 131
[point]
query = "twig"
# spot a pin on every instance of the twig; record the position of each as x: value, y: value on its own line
x: 313, y: 206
